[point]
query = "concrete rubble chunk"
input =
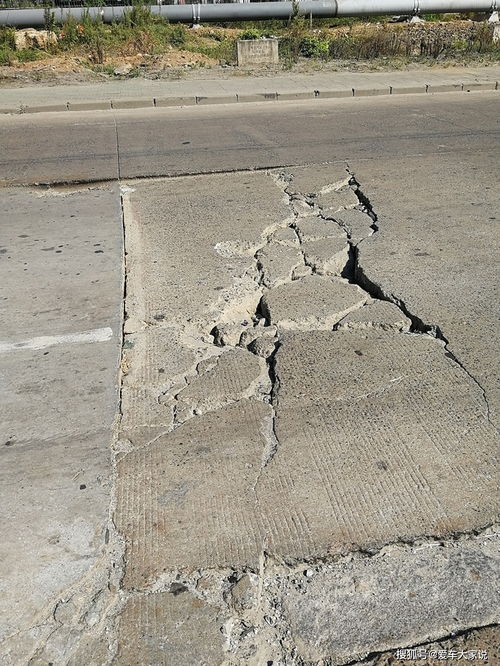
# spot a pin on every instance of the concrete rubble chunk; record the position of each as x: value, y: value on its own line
x: 301, y: 272
x: 228, y: 334
x: 314, y: 303
x: 315, y: 228
x: 31, y: 38
x: 277, y: 263
x: 328, y: 256
x: 244, y: 592
x: 428, y: 592
x: 251, y: 334
x: 165, y: 629
x: 377, y: 314
x: 233, y: 377
x: 194, y: 488
x: 263, y: 346
x: 356, y: 222
x: 303, y: 208
x: 309, y: 180
x: 286, y: 236
x: 332, y: 202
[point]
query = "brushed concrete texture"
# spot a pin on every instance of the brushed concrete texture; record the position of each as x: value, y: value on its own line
x: 384, y: 416
x: 187, y: 499
x: 60, y: 276
x: 376, y: 314
x: 146, y: 637
x: 232, y: 378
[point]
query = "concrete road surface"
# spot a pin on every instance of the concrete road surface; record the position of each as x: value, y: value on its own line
x: 304, y: 465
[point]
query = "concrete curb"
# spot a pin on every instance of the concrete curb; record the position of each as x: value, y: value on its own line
x: 145, y: 102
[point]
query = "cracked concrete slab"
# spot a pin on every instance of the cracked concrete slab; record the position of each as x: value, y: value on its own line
x: 187, y: 500
x: 286, y: 236
x: 433, y: 591
x: 316, y: 228
x: 277, y: 263
x: 432, y: 254
x: 205, y: 262
x: 328, y: 256
x: 338, y: 429
x: 357, y: 224
x: 310, y: 180
x: 393, y: 429
x: 154, y: 357
x: 313, y: 303
x: 337, y: 200
x: 234, y: 376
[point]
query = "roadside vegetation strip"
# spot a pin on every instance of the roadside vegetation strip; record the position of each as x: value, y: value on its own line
x: 143, y: 42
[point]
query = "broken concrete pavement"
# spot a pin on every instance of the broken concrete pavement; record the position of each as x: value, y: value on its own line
x: 273, y: 481
x: 305, y: 473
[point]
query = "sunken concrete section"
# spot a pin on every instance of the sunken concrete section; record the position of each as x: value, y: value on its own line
x: 304, y: 474
x: 61, y: 293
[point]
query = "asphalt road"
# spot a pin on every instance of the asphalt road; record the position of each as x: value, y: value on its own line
x: 128, y: 144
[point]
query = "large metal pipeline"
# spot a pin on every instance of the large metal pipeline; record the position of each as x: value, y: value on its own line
x: 253, y: 11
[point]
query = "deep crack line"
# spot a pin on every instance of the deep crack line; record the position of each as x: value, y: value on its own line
x: 360, y: 278
x: 452, y: 356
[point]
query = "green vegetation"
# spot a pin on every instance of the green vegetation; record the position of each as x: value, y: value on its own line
x: 142, y: 32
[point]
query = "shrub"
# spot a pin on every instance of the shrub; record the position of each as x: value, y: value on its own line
x: 314, y: 47
x: 7, y: 38
x: 252, y: 33
x: 139, y: 16
x: 177, y: 35
x: 6, y: 55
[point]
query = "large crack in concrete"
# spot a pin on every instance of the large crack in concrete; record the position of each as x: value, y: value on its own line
x: 360, y: 276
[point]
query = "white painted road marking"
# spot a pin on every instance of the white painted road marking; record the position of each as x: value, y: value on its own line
x: 96, y: 335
